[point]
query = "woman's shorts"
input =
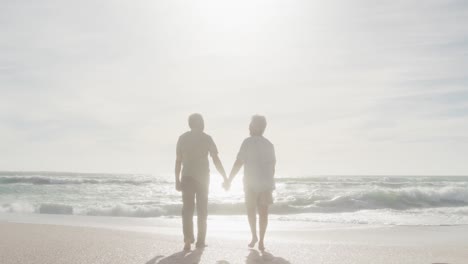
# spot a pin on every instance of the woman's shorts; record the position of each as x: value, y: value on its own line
x: 254, y: 199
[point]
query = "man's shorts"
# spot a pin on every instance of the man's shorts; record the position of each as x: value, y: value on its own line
x: 254, y: 199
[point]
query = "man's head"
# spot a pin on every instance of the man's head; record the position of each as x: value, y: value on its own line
x: 257, y: 125
x: 196, y: 122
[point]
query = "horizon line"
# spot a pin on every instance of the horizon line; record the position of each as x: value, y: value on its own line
x: 2, y: 172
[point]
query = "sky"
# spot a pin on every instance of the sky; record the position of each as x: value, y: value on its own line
x: 348, y: 87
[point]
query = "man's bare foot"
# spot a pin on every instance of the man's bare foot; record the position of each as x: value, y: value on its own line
x: 200, y: 245
x: 253, y: 242
x: 187, y: 246
x: 261, y: 246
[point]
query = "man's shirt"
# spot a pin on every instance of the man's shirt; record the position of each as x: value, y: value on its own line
x: 258, y: 155
x: 192, y: 149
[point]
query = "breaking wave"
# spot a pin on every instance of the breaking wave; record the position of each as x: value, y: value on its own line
x: 42, y: 180
x: 404, y: 199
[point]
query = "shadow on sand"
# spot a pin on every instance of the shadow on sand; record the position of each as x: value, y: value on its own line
x: 182, y: 257
x: 264, y: 257
x: 256, y: 257
x: 193, y: 257
x: 153, y: 260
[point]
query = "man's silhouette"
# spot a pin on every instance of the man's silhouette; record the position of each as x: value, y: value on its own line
x: 257, y: 155
x: 192, y: 150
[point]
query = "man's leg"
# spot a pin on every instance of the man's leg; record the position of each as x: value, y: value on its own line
x: 262, y: 223
x: 251, y: 205
x: 188, y: 199
x: 202, y: 214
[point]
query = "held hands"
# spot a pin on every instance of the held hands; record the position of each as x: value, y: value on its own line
x: 226, y: 184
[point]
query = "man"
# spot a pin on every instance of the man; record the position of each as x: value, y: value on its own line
x: 257, y: 155
x: 192, y: 150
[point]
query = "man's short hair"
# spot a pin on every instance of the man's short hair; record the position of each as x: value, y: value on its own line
x: 258, y: 124
x: 196, y: 122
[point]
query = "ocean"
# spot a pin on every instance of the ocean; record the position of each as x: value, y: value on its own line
x: 366, y: 200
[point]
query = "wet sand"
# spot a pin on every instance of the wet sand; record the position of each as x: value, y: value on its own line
x: 286, y: 243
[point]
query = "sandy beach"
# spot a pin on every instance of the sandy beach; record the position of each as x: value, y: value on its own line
x: 151, y: 241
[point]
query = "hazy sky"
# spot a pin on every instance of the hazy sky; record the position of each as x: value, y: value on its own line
x: 348, y: 87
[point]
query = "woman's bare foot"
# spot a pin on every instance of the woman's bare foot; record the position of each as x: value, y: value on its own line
x: 261, y: 246
x: 253, y: 242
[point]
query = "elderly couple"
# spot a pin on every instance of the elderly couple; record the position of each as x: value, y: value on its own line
x: 256, y: 154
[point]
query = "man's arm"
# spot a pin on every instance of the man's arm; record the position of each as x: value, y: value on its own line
x: 217, y: 162
x: 219, y: 166
x: 178, y: 166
